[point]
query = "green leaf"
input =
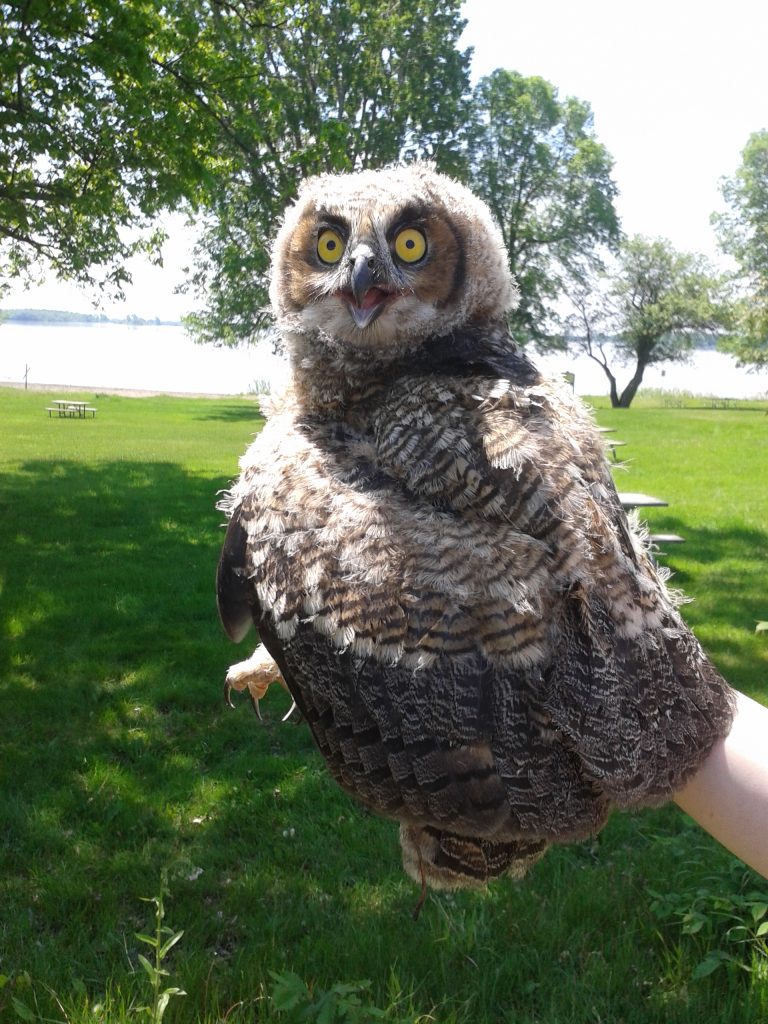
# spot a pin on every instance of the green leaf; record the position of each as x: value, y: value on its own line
x: 693, y: 923
x: 169, y: 944
x: 23, y: 1010
x: 288, y: 991
x: 327, y: 1012
x: 151, y: 970
x: 762, y: 930
x: 710, y: 963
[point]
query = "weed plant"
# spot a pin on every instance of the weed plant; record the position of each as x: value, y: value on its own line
x: 120, y: 762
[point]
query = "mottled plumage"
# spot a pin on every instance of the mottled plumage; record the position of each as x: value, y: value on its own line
x: 428, y: 539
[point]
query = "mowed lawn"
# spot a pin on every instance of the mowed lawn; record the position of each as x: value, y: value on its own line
x: 120, y: 762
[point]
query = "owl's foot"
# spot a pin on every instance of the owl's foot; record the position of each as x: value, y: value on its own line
x: 255, y: 675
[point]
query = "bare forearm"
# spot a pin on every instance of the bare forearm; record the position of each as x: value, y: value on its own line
x: 729, y: 795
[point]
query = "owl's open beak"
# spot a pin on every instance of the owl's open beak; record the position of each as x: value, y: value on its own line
x: 367, y: 298
x: 372, y: 304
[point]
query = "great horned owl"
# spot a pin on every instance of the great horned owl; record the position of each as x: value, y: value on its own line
x: 428, y: 539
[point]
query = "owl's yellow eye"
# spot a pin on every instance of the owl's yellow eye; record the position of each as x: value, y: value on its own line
x: 410, y: 245
x: 330, y: 246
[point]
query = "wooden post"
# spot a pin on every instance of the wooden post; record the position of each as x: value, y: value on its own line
x: 27, y: 368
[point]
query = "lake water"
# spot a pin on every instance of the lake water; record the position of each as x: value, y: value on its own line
x: 107, y: 356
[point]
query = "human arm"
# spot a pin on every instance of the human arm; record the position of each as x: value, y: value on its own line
x: 728, y: 796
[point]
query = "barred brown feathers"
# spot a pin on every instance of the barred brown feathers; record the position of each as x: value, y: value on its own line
x: 428, y: 539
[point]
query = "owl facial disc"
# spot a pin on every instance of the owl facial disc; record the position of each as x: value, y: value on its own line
x: 381, y: 261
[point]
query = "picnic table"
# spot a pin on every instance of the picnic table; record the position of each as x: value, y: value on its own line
x: 612, y: 447
x: 610, y: 444
x: 720, y: 403
x: 636, y: 499
x: 68, y: 408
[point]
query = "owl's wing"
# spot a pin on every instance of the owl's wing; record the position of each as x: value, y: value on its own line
x: 454, y: 751
x: 622, y: 681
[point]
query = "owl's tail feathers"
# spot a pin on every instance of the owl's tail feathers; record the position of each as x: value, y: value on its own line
x: 444, y: 860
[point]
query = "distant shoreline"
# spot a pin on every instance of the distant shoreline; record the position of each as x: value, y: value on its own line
x: 120, y: 392
x: 63, y: 318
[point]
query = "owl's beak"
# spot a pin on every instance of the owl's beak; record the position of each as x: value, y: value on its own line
x: 367, y: 298
x: 362, y: 276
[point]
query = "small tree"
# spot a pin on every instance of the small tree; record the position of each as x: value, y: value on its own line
x: 648, y: 310
x: 535, y: 160
x: 743, y: 234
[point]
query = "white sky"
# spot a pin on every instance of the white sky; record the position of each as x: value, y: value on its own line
x: 676, y: 87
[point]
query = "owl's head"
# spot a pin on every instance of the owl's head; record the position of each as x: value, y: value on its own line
x: 378, y: 261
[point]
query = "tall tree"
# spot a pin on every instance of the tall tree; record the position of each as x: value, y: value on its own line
x: 648, y: 310
x: 112, y: 112
x: 535, y: 160
x: 743, y: 233
x: 334, y: 84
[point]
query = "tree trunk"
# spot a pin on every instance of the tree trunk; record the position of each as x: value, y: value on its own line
x: 611, y: 381
x: 625, y: 399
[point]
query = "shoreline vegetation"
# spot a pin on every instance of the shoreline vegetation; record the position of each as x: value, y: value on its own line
x: 89, y: 389
x: 62, y: 316
x: 648, y: 398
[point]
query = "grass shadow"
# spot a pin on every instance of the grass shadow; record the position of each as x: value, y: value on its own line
x: 111, y: 661
x: 246, y: 410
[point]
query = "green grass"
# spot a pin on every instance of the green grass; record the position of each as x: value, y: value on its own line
x: 118, y: 761
x: 712, y: 468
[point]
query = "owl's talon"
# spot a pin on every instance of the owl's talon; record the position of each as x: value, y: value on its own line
x: 254, y: 675
x: 289, y: 712
x: 228, y: 688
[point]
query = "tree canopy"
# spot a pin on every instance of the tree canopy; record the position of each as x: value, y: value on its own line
x: 95, y: 138
x: 535, y: 160
x: 647, y: 310
x: 113, y: 112
x: 743, y: 234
